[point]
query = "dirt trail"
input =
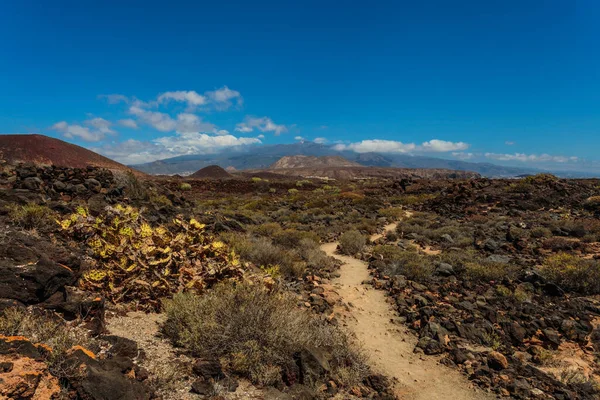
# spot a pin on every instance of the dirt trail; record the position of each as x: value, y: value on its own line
x: 389, y: 347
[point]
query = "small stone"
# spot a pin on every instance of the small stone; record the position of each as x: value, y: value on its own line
x: 200, y: 386
x: 497, y: 361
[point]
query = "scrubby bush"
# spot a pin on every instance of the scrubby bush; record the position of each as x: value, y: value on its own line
x: 486, y: 270
x: 401, y: 262
x: 392, y: 212
x: 302, y: 183
x: 185, y: 186
x: 269, y: 229
x: 292, y: 191
x: 258, y: 334
x: 352, y: 242
x: 160, y: 200
x: 265, y: 254
x: 314, y: 257
x: 289, y: 238
x: 540, y: 232
x: 32, y: 216
x: 573, y: 273
x: 558, y: 243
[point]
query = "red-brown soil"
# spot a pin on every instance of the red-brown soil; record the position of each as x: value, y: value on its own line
x: 44, y: 150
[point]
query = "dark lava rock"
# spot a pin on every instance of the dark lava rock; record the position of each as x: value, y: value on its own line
x: 430, y: 346
x: 6, y: 366
x: 312, y: 363
x: 497, y: 360
x: 104, y: 380
x: 208, y: 369
x: 444, y: 269
x: 122, y: 347
x: 552, y: 289
x: 32, y: 283
x: 377, y: 382
x: 202, y: 387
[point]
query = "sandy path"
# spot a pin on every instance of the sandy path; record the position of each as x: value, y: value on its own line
x: 390, y: 347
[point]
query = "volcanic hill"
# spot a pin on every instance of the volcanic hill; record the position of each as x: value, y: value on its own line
x: 211, y: 172
x: 44, y: 150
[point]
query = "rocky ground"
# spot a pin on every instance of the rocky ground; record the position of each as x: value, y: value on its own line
x: 496, y: 279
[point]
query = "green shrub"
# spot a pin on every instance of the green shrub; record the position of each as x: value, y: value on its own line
x: 401, y: 262
x: 312, y: 254
x: 32, y: 216
x: 352, y: 242
x: 257, y: 333
x: 256, y: 179
x: 484, y: 270
x: 262, y: 252
x: 292, y: 191
x: 161, y: 200
x: 540, y: 232
x: 573, y: 273
x: 302, y: 183
x: 185, y: 186
x: 392, y: 212
x: 269, y: 229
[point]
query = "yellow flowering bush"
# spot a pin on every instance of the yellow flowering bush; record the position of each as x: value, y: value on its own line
x: 134, y: 261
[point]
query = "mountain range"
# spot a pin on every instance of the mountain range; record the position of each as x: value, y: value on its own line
x: 263, y: 157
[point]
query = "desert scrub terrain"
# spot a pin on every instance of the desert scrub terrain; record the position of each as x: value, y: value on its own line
x: 496, y: 277
x: 500, y: 277
x: 81, y: 246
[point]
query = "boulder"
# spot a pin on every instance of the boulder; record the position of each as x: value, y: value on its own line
x: 33, y: 283
x: 312, y: 364
x: 497, y: 361
x: 208, y: 369
x: 444, y: 269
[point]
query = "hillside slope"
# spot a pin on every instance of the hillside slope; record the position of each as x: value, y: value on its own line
x: 44, y: 150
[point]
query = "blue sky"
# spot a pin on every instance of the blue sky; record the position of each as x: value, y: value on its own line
x: 514, y: 82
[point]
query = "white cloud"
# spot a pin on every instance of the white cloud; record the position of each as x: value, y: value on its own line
x: 509, y: 143
x: 95, y: 130
x: 263, y: 124
x: 522, y: 157
x: 223, y: 98
x: 136, y: 152
x: 377, y: 145
x: 320, y: 140
x: 261, y: 136
x: 184, y: 122
x: 221, y: 132
x: 128, y: 123
x: 442, y: 146
x: 299, y: 138
x: 191, y: 97
x: 393, y: 146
